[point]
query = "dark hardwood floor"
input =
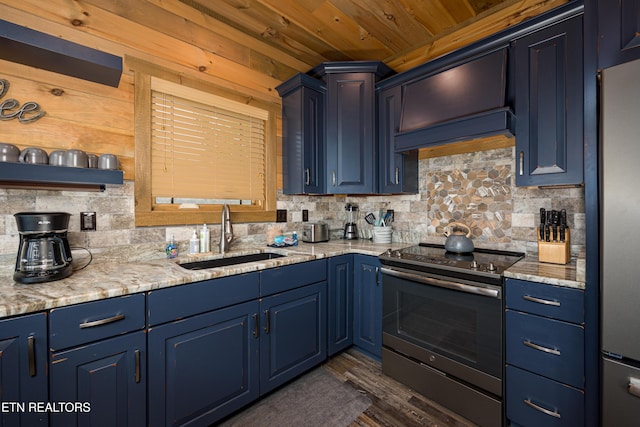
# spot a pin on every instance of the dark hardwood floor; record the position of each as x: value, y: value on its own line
x: 393, y: 404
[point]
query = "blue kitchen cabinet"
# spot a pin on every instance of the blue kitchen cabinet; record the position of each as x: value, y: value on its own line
x: 549, y: 105
x: 397, y: 172
x: 294, y: 334
x: 340, y: 304
x: 367, y: 322
x: 98, y: 360
x: 23, y: 369
x: 303, y: 129
x: 204, y: 367
x: 351, y: 136
x: 619, y: 28
x: 545, y: 372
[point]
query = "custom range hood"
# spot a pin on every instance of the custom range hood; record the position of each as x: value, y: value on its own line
x: 33, y: 48
x: 463, y: 101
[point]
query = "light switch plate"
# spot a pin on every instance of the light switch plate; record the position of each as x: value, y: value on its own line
x: 305, y: 215
x: 87, y: 221
x: 281, y: 215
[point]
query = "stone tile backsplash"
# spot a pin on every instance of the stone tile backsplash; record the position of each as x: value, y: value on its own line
x: 477, y: 189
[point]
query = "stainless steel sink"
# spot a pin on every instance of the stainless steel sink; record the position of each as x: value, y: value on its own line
x: 232, y: 260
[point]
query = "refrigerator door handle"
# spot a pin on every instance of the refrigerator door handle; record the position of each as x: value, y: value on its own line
x: 634, y: 386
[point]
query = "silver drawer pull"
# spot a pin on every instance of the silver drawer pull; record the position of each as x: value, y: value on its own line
x: 541, y: 301
x: 101, y: 321
x: 554, y: 414
x: 634, y: 386
x: 541, y: 348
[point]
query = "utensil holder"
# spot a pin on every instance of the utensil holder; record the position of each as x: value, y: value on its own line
x: 555, y: 252
x: 382, y: 234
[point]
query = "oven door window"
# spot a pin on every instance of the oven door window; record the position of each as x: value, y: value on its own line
x: 462, y: 326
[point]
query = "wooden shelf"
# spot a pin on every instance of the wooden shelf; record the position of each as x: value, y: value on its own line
x: 25, y: 175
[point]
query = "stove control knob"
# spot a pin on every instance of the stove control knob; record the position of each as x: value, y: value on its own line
x: 491, y: 267
x: 474, y: 264
x: 398, y: 254
x: 388, y: 252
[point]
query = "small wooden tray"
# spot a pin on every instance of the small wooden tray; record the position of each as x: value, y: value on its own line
x: 555, y: 252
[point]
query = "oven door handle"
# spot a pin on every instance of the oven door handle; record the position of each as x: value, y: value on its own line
x: 470, y: 289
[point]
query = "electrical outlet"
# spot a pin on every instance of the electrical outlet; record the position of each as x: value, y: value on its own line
x: 305, y: 215
x: 87, y: 221
x: 281, y: 215
x: 391, y: 214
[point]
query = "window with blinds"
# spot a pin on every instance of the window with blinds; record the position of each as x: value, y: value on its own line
x: 205, y: 149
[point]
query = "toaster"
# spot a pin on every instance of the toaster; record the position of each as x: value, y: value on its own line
x: 314, y: 233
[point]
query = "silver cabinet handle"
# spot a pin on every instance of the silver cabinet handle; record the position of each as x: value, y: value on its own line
x: 521, y: 163
x: 634, y: 386
x: 554, y: 414
x: 31, y: 347
x: 137, y: 357
x: 101, y: 321
x: 267, y: 322
x: 397, y: 175
x: 541, y: 301
x: 334, y: 178
x: 307, y: 176
x: 541, y: 348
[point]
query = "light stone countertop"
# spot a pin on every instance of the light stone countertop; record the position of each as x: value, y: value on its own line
x: 105, y: 280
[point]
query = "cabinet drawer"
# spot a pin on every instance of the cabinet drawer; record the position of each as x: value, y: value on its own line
x: 92, y: 321
x: 620, y: 401
x: 178, y: 302
x: 546, y: 300
x: 547, y: 347
x: 285, y: 278
x: 532, y: 400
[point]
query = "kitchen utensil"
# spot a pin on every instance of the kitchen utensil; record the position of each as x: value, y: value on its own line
x: 108, y: 161
x: 370, y: 218
x: 458, y: 241
x: 34, y: 155
x: 56, y: 158
x: 92, y: 160
x: 9, y: 152
x: 75, y: 159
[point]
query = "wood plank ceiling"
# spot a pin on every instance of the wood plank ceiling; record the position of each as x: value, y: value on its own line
x: 401, y: 33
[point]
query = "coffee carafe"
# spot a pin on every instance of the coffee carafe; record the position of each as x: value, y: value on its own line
x: 351, y: 227
x: 44, y: 254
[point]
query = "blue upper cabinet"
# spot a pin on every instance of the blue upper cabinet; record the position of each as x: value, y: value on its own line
x: 351, y: 125
x: 303, y: 127
x: 549, y: 105
x: 619, y: 28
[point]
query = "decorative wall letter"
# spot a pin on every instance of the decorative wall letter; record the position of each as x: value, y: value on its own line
x: 11, y: 109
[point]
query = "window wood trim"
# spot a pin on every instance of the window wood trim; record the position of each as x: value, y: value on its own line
x: 145, y: 215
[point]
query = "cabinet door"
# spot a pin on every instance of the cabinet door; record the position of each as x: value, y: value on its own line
x: 367, y: 322
x: 303, y: 119
x: 350, y: 135
x: 107, y: 377
x: 619, y: 26
x: 340, y: 304
x: 398, y: 172
x: 23, y: 369
x: 549, y: 105
x: 294, y: 334
x: 204, y: 367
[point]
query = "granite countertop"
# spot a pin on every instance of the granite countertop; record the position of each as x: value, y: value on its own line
x: 105, y: 280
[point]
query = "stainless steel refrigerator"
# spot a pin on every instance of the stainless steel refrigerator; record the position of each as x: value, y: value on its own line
x: 620, y: 244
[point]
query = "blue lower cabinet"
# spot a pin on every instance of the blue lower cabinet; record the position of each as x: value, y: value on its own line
x: 367, y: 319
x: 294, y: 334
x: 23, y: 369
x: 340, y: 303
x: 532, y: 400
x: 106, y: 379
x: 204, y: 367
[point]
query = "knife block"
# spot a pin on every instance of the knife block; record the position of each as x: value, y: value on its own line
x: 555, y: 252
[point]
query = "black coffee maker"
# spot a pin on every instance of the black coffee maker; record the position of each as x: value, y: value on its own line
x: 44, y: 254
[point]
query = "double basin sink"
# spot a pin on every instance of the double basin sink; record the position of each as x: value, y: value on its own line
x: 232, y: 260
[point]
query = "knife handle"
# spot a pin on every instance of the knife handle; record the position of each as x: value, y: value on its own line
x: 547, y: 233
x: 541, y: 232
x: 563, y: 234
x: 555, y: 232
x: 543, y: 216
x: 563, y: 217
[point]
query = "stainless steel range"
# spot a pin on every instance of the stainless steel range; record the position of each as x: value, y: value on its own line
x: 442, y: 326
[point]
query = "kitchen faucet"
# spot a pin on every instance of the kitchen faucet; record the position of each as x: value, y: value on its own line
x: 226, y: 230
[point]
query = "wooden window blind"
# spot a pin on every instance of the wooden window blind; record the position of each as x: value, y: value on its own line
x: 205, y: 149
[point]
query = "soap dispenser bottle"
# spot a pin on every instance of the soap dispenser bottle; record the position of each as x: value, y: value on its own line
x: 205, y: 239
x: 194, y: 243
x: 172, y: 249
